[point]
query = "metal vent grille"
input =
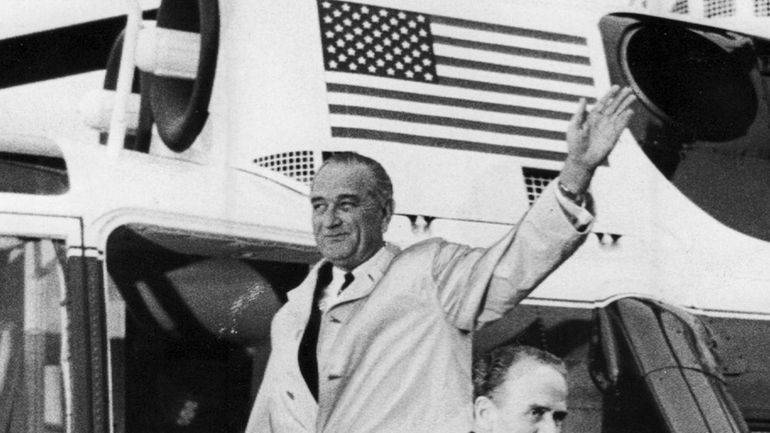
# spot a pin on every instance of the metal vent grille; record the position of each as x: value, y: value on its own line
x: 298, y: 165
x: 535, y: 180
x: 681, y: 7
x: 762, y: 8
x: 719, y: 8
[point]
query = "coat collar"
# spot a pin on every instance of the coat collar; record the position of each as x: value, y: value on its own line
x: 366, y: 277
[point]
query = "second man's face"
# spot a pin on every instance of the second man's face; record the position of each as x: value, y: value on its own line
x: 348, y: 222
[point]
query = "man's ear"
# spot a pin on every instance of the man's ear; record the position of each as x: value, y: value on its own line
x: 387, y: 211
x: 484, y: 414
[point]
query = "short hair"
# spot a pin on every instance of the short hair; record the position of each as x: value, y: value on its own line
x: 383, y: 187
x: 491, y: 368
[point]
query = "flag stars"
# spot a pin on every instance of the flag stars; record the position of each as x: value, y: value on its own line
x: 387, y: 42
x: 428, y: 76
x: 362, y: 60
x: 340, y: 43
x: 421, y: 18
x: 331, y: 49
x: 385, y: 27
x: 333, y: 64
x: 416, y: 53
x: 367, y: 25
x: 423, y: 33
x: 380, y: 62
x: 409, y: 74
x: 328, y: 19
x: 399, y: 65
x: 402, y: 15
x: 388, y: 56
x: 338, y: 28
x: 368, y: 39
x: 395, y: 36
x: 351, y: 52
x: 390, y: 71
x: 348, y: 37
x: 370, y: 54
x: 403, y: 30
x: 378, y: 48
x: 426, y: 62
x: 329, y: 34
x: 411, y: 24
x: 393, y: 22
x: 364, y: 10
x: 346, y: 7
x: 358, y: 31
x: 414, y: 39
x: 417, y: 68
x: 336, y: 13
x: 377, y: 33
x: 375, y: 19
x: 352, y: 66
x: 383, y: 13
x: 342, y: 57
x: 407, y: 59
x: 424, y: 47
x: 360, y: 45
x: 326, y: 5
x: 372, y: 69
x: 405, y: 44
x: 397, y: 51
x: 347, y: 22
x: 356, y: 16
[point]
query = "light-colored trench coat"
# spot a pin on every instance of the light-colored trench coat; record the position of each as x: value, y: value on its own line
x: 395, y: 352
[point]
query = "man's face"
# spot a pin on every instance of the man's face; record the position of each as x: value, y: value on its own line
x: 348, y: 221
x: 532, y: 399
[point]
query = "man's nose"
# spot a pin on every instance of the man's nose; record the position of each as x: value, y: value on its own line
x: 330, y: 218
x: 549, y: 425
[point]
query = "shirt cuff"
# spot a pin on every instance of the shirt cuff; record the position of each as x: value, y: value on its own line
x: 579, y: 216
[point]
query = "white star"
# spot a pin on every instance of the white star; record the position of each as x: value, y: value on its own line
x: 361, y: 60
x: 399, y: 65
x: 351, y: 51
x: 412, y: 24
x: 397, y: 51
x: 378, y: 48
x: 420, y: 18
x: 417, y: 68
x: 328, y: 19
x: 364, y: 10
x: 428, y: 76
x: 408, y: 59
x: 415, y: 53
x: 342, y: 57
x: 352, y: 66
x: 401, y: 15
x: 336, y: 13
x: 368, y: 39
x: 372, y: 69
x: 403, y: 30
x: 331, y: 49
x: 326, y: 5
x: 424, y: 47
x: 395, y: 36
x: 375, y: 19
x: 377, y: 33
x: 414, y: 38
x: 423, y: 33
x: 393, y: 21
x: 358, y: 31
x: 426, y: 62
x: 367, y: 24
x: 405, y: 44
x: 360, y: 45
x: 348, y: 37
x: 347, y: 22
x: 346, y: 7
x: 409, y: 74
x: 333, y: 64
x: 390, y: 71
x: 329, y: 34
x: 388, y: 56
x: 383, y: 13
x: 386, y: 41
x: 340, y: 43
x: 380, y: 62
x: 385, y: 27
x: 356, y: 16
x: 370, y: 54
x: 338, y: 28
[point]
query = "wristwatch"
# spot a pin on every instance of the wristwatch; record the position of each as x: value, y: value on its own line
x: 572, y: 196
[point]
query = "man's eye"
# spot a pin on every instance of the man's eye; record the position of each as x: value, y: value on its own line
x: 319, y: 207
x: 347, y: 206
x: 537, y: 412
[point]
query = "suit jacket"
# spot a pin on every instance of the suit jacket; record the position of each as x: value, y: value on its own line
x: 394, y: 355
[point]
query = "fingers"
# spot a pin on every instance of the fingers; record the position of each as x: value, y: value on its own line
x: 579, y: 117
x: 623, y: 119
x: 620, y: 102
x: 602, y: 103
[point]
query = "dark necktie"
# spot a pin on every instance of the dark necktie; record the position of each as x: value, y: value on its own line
x: 308, y: 362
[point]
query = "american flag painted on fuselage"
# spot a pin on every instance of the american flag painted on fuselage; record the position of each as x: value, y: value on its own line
x: 414, y: 78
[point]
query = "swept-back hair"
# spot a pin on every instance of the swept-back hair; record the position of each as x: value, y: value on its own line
x: 491, y: 368
x: 383, y: 187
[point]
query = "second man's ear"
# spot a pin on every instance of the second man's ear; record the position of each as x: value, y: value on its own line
x: 387, y: 214
x: 484, y: 414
